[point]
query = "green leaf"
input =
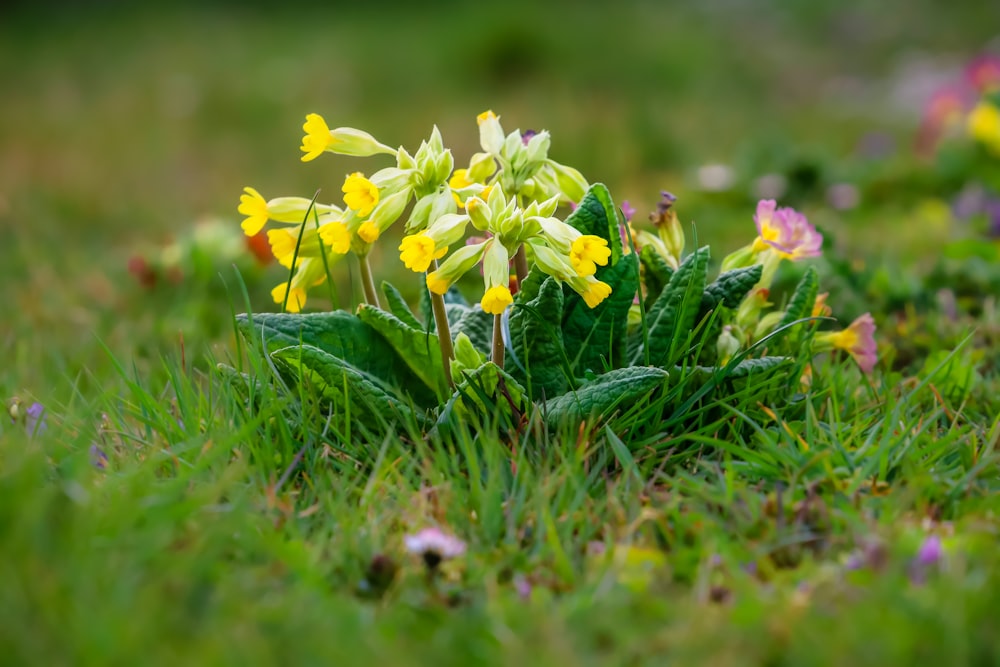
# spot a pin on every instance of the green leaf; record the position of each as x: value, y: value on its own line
x: 675, y: 313
x: 475, y: 323
x: 594, y: 337
x: 597, y: 215
x: 484, y: 391
x: 398, y: 306
x: 531, y: 284
x: 731, y: 287
x: 419, y: 349
x: 370, y: 401
x: 655, y: 273
x: 600, y: 396
x: 537, y: 341
x: 339, y: 333
x: 803, y: 298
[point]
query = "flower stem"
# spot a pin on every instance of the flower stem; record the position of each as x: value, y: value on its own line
x: 520, y: 265
x: 444, y: 336
x: 498, y: 349
x: 368, y: 283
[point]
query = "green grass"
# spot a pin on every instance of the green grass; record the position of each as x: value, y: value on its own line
x: 219, y: 533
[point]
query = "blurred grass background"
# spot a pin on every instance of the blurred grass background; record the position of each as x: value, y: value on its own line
x: 121, y: 126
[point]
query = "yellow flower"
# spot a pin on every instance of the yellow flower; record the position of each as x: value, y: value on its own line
x: 296, y: 298
x: 360, y: 194
x: 597, y: 292
x: 587, y: 252
x: 368, y: 232
x: 417, y: 251
x: 254, y: 206
x: 984, y: 125
x: 436, y: 283
x: 496, y: 300
x: 317, y: 138
x: 336, y: 237
x: 282, y: 245
x: 459, y: 179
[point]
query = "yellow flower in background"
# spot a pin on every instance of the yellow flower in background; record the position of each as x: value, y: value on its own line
x: 984, y: 125
x: 496, y: 300
x: 586, y: 252
x: 417, y: 251
x: 254, y: 206
x: 360, y: 194
x: 296, y: 297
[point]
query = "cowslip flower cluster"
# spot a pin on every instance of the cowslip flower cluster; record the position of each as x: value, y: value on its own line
x: 558, y: 249
x: 520, y: 164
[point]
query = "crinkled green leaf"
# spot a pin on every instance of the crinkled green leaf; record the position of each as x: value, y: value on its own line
x: 597, y: 215
x: 595, y: 337
x: 803, y: 298
x: 398, y: 306
x: 417, y: 348
x: 655, y: 273
x: 340, y: 333
x: 537, y: 341
x: 475, y: 323
x: 370, y: 401
x: 600, y: 396
x: 731, y: 287
x: 675, y: 313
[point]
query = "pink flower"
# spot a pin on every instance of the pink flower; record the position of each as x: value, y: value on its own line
x: 858, y: 340
x: 786, y: 231
x: 984, y: 73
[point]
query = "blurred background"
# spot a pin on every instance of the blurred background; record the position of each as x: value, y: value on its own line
x: 123, y: 127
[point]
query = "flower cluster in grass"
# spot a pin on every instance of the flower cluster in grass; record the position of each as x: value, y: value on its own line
x: 501, y: 212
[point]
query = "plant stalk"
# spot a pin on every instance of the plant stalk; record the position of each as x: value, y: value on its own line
x: 520, y: 265
x: 444, y: 336
x: 368, y: 283
x: 498, y: 348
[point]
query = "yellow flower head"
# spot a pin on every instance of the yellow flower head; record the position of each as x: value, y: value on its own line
x: 360, y: 194
x: 436, y: 283
x: 282, y: 245
x: 459, y: 179
x: 254, y: 206
x: 317, y: 138
x: 417, y: 251
x: 336, y: 237
x: 597, y: 292
x: 587, y: 252
x: 368, y: 232
x: 984, y: 125
x: 296, y: 297
x: 496, y: 299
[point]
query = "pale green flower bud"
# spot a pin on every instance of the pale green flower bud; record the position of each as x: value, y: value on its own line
x: 404, y: 160
x: 738, y: 259
x: 420, y: 214
x: 490, y: 133
x: 480, y: 213
x: 767, y: 323
x: 537, y: 149
x: 571, y: 182
x: 390, y: 179
x: 748, y: 312
x: 467, y: 357
x: 496, y: 264
x: 481, y: 167
x: 443, y: 165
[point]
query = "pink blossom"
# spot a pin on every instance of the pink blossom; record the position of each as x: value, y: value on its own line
x: 858, y: 340
x: 786, y: 231
x: 434, y: 545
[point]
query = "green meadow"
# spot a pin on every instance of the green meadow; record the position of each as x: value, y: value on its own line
x: 185, y: 484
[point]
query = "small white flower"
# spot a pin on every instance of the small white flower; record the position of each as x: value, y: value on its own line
x: 434, y: 545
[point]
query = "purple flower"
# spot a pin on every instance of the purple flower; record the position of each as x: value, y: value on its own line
x: 628, y: 210
x: 930, y: 552
x: 434, y: 545
x: 984, y: 73
x: 993, y: 218
x: 34, y: 419
x: 786, y: 231
x: 527, y: 135
x: 98, y: 458
x: 667, y: 199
